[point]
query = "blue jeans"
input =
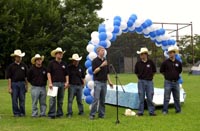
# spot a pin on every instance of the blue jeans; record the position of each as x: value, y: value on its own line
x: 38, y: 93
x: 145, y: 87
x: 52, y: 101
x: 18, y: 98
x: 100, y: 89
x: 174, y: 88
x: 75, y: 90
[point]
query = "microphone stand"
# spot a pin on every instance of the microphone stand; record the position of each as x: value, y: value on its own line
x: 116, y: 80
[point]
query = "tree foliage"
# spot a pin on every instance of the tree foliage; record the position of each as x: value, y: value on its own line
x: 39, y: 26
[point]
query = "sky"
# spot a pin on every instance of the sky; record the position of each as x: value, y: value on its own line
x: 171, y: 11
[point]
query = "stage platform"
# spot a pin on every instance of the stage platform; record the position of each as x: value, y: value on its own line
x: 130, y: 98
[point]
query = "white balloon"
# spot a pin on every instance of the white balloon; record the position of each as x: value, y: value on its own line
x: 123, y: 25
x: 92, y: 55
x: 90, y: 106
x: 147, y: 30
x: 109, y: 35
x: 109, y: 28
x: 105, y: 53
x: 132, y: 28
x: 119, y: 33
x: 95, y: 40
x: 94, y: 34
x: 166, y: 54
x: 92, y: 92
x: 90, y: 48
x: 90, y: 84
x: 88, y: 77
x: 108, y: 43
x: 158, y: 45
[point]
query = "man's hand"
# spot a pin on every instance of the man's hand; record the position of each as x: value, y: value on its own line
x: 111, y: 84
x: 9, y: 90
x: 50, y: 86
x: 66, y: 85
x: 105, y: 63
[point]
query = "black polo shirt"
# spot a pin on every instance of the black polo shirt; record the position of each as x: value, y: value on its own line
x: 37, y: 76
x: 58, y: 71
x: 102, y: 74
x: 145, y: 70
x: 171, y: 69
x: 76, y: 75
x: 17, y: 72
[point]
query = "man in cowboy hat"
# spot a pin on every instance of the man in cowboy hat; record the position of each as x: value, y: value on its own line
x: 57, y: 74
x: 100, y: 70
x: 37, y: 76
x: 17, y: 83
x: 76, y: 84
x: 145, y: 70
x: 171, y: 69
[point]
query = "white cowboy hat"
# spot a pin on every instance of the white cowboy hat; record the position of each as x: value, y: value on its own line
x: 173, y: 48
x: 75, y: 57
x: 37, y: 56
x: 18, y: 52
x: 144, y: 50
x: 58, y: 49
x: 129, y: 112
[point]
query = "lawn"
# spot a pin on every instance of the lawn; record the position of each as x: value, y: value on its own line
x: 188, y: 120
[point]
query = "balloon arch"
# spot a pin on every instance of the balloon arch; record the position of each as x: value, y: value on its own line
x: 108, y: 32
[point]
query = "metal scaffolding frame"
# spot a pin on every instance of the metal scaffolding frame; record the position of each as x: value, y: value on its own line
x: 178, y: 27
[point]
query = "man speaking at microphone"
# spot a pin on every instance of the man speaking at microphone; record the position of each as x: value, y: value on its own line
x: 100, y: 70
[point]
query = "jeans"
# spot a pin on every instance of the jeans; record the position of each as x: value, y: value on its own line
x: 174, y: 88
x: 38, y: 93
x: 75, y: 90
x: 18, y: 98
x: 52, y: 101
x: 145, y: 87
x: 100, y: 89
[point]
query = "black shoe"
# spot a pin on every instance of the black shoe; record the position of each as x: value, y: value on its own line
x: 80, y: 113
x: 52, y: 117
x: 165, y: 113
x: 91, y: 117
x: 139, y: 114
x: 178, y: 112
x: 69, y: 116
x: 17, y: 115
x: 42, y: 116
x: 152, y: 114
x: 101, y: 117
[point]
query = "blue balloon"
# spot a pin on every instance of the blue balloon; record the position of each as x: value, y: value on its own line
x: 144, y: 25
x: 152, y: 34
x: 116, y: 29
x: 130, y: 23
x: 114, y: 37
x: 89, y: 99
x: 117, y: 22
x: 86, y: 91
x: 171, y: 42
x: 180, y: 80
x: 164, y: 43
x: 88, y: 63
x: 102, y: 36
x: 148, y: 22
x: 90, y: 71
x: 103, y: 43
x: 178, y: 57
x: 138, y: 29
x: 118, y: 18
x: 133, y: 17
x: 101, y: 28
x: 125, y: 30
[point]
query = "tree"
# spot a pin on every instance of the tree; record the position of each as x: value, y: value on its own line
x: 39, y: 26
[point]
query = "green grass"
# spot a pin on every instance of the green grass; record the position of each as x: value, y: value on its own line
x: 189, y: 120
